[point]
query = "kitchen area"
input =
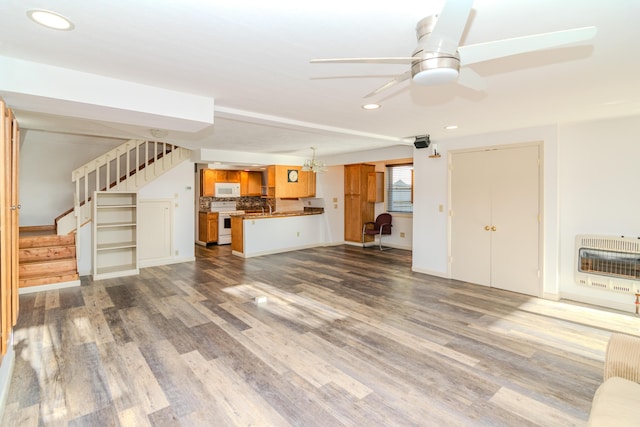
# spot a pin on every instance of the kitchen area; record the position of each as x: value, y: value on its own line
x: 231, y: 202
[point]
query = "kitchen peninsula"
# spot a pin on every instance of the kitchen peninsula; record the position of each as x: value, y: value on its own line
x: 255, y: 234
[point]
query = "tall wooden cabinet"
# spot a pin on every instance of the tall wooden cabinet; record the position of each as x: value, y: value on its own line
x: 115, y: 234
x: 357, y: 207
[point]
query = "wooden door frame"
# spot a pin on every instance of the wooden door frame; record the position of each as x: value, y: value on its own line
x: 9, y: 206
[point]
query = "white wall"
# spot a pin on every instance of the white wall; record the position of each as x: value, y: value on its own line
x: 293, y: 232
x: 330, y: 187
x: 590, y: 185
x: 178, y: 185
x: 46, y: 163
x: 431, y: 230
x: 599, y: 194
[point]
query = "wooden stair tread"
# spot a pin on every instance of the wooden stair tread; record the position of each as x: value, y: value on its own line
x: 48, y: 280
x: 37, y: 230
x: 53, y: 267
x: 48, y: 240
x: 46, y: 253
x: 46, y: 258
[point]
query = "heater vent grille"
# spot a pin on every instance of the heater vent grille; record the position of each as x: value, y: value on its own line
x: 611, y: 263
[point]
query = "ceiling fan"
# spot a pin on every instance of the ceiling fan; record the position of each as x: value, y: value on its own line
x: 438, y: 57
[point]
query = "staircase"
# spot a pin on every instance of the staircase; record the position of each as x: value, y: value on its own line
x: 46, y: 258
x: 125, y: 168
x: 47, y: 254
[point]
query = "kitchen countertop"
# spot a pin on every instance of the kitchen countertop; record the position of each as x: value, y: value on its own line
x: 260, y: 215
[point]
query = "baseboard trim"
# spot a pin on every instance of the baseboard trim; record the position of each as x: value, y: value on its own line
x: 376, y: 244
x: 431, y: 272
x: 6, y: 373
x: 601, y: 302
x: 164, y: 261
x: 51, y: 287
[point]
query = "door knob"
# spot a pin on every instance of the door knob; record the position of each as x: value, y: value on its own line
x: 486, y: 227
x: 493, y: 228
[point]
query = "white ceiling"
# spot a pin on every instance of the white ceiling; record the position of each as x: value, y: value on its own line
x: 253, y: 56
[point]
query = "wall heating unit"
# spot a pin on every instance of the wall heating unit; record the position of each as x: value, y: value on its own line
x: 608, y: 262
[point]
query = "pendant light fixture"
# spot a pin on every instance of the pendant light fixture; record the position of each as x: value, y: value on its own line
x: 313, y: 165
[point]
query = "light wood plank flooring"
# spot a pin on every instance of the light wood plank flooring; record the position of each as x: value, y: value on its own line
x: 346, y: 337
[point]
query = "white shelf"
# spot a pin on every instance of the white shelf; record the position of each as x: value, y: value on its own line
x: 113, y: 246
x: 115, y: 234
x: 116, y: 224
x: 106, y: 208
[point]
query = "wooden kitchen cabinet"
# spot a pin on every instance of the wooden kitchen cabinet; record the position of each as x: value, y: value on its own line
x: 281, y: 184
x: 222, y: 175
x: 209, y: 177
x: 207, y: 181
x: 208, y: 227
x: 269, y: 190
x: 250, y: 183
x: 237, y: 234
x: 375, y: 187
x: 357, y: 208
x: 311, y: 184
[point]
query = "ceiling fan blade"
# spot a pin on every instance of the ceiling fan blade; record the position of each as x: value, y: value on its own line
x: 383, y: 60
x: 449, y: 27
x: 399, y: 79
x: 481, y: 52
x: 471, y: 79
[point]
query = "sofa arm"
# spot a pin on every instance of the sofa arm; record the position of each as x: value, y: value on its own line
x: 622, y: 358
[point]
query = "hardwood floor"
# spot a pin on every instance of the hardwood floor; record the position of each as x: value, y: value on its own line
x: 347, y: 336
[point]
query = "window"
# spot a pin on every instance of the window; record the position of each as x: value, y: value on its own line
x: 399, y: 188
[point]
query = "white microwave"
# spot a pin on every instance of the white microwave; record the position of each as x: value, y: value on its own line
x: 227, y: 189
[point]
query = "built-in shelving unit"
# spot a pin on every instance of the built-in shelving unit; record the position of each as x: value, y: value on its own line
x: 115, y: 234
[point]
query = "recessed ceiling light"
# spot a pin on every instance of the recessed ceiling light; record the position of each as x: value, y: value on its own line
x: 451, y: 127
x: 371, y: 106
x: 50, y: 19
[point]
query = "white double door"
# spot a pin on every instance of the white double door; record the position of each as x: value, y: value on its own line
x: 495, y: 211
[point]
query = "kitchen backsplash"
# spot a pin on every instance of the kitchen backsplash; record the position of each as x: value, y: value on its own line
x: 242, y: 203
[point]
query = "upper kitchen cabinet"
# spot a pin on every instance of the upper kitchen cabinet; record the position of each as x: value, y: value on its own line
x: 250, y: 183
x: 209, y: 177
x: 207, y: 181
x: 227, y: 176
x: 311, y: 184
x: 291, y: 182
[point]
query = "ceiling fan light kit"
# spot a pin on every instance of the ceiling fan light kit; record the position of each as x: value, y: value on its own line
x: 432, y: 68
x: 435, y: 70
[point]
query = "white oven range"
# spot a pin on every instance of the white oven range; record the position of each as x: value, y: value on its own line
x: 225, y: 210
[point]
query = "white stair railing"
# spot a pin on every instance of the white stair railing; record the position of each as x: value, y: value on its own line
x: 124, y: 168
